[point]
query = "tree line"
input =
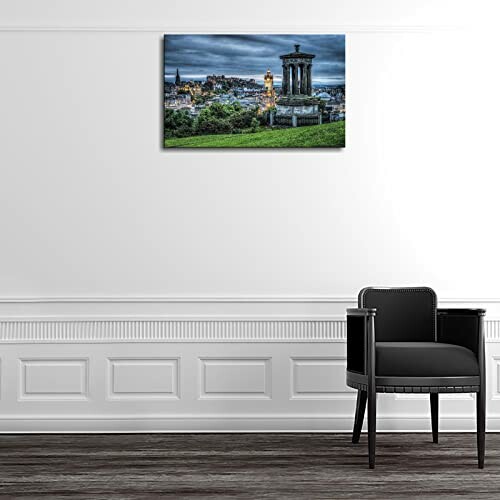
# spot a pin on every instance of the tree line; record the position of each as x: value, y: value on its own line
x: 215, y: 119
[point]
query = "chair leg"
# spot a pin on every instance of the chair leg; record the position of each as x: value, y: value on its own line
x: 372, y: 426
x: 481, y: 425
x: 435, y: 416
x: 360, y: 415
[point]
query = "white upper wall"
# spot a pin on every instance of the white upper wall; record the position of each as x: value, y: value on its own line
x: 92, y: 206
x: 225, y: 14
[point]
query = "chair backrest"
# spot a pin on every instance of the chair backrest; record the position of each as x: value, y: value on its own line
x: 403, y: 314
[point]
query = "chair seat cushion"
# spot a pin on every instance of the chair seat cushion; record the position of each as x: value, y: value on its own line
x: 424, y: 359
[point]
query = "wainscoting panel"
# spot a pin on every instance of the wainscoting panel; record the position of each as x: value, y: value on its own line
x: 319, y: 378
x: 201, y: 374
x: 235, y: 378
x: 56, y: 378
x: 131, y: 378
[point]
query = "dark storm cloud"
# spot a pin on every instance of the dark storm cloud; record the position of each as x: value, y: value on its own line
x: 249, y: 56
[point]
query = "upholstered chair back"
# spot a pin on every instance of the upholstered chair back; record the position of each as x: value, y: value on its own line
x: 403, y: 314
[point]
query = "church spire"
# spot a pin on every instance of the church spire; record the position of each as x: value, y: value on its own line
x: 177, y: 78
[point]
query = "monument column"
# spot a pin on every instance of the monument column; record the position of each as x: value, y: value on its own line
x: 285, y: 84
x: 303, y: 79
x: 309, y: 79
x: 295, y: 79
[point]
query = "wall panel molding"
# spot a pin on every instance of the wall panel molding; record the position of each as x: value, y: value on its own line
x: 186, y: 330
x: 319, y: 377
x: 54, y: 379
x: 220, y: 329
x: 235, y: 378
x: 142, y: 378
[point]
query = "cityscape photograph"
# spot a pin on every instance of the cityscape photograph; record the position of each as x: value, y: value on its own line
x: 254, y: 91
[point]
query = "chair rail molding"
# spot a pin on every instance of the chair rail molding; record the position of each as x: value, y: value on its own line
x: 196, y: 318
x: 188, y: 328
x: 336, y: 298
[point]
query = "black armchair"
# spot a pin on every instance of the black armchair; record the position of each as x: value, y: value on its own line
x: 398, y: 341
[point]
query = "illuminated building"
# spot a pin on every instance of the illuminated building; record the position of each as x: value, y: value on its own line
x: 268, y: 82
x: 269, y: 99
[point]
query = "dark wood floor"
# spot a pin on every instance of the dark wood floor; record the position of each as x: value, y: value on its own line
x: 249, y: 466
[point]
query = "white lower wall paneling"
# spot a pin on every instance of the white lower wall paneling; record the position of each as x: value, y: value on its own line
x: 318, y: 378
x: 57, y: 378
x: 264, y: 375
x: 235, y: 378
x: 131, y: 378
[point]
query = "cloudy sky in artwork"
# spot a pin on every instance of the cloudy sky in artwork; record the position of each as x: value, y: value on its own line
x: 249, y: 56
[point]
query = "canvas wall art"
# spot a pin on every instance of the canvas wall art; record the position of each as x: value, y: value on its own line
x: 254, y: 91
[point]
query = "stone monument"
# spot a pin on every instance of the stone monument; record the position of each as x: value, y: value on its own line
x: 296, y: 106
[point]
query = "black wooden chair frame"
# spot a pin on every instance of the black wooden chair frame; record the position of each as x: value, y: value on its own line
x: 361, y: 372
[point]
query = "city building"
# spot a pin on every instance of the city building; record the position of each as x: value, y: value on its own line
x: 177, y: 101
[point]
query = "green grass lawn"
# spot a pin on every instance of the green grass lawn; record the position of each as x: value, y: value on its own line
x: 329, y: 135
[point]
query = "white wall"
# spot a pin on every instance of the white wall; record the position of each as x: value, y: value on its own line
x: 101, y: 226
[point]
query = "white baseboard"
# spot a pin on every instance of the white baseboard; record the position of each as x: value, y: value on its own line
x: 222, y: 424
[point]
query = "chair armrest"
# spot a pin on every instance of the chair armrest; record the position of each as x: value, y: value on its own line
x: 361, y: 311
x: 359, y: 342
x: 462, y: 327
x: 461, y: 311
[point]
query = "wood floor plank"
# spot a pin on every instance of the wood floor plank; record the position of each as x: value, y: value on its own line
x: 246, y: 466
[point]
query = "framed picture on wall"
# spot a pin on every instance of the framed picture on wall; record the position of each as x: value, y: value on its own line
x: 254, y: 91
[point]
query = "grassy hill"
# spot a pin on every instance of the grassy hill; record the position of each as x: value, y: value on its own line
x: 315, y: 136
